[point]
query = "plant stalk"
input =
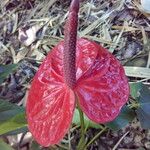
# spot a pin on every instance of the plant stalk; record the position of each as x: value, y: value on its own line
x: 81, y: 143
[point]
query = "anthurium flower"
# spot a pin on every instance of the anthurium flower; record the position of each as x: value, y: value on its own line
x: 76, y: 66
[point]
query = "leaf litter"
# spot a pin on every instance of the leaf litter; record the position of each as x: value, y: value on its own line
x: 30, y: 29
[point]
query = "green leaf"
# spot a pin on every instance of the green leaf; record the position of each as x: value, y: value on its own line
x: 4, y: 146
x: 143, y: 112
x: 135, y: 89
x: 144, y: 117
x: 12, y: 117
x: 16, y: 122
x: 126, y: 115
x: 35, y: 146
x: 88, y: 122
x: 144, y: 95
x: 16, y: 131
x: 8, y: 110
x: 5, y: 70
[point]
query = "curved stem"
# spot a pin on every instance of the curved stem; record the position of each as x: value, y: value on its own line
x: 82, y: 138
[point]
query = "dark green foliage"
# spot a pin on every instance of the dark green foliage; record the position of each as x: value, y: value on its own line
x: 124, y: 118
x: 5, y: 70
x: 143, y: 112
x: 12, y: 117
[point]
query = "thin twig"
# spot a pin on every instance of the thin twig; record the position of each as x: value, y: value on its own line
x: 95, y: 137
x: 117, y: 144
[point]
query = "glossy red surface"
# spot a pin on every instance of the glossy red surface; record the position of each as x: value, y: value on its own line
x: 101, y: 87
x: 50, y: 103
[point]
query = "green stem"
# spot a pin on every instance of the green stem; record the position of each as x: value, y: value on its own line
x: 69, y: 139
x: 95, y: 137
x: 82, y: 139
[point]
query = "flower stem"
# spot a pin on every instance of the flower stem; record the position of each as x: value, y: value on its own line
x: 81, y: 143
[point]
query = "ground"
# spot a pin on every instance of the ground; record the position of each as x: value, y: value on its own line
x: 30, y: 28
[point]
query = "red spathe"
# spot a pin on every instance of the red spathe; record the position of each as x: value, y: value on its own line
x: 102, y: 89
